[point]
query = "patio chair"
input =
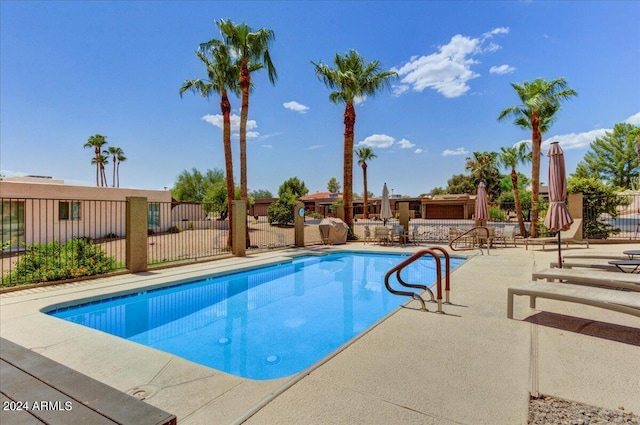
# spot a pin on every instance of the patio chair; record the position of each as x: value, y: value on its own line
x: 367, y: 234
x: 381, y: 235
x: 508, y: 234
x: 416, y: 236
x: 572, y: 235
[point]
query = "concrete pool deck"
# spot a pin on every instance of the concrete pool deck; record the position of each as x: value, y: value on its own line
x: 469, y: 366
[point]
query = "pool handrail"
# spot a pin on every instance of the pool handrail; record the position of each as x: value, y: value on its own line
x: 447, y: 272
x: 398, y: 268
x: 473, y: 229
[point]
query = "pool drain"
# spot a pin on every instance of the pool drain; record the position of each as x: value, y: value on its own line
x: 143, y: 392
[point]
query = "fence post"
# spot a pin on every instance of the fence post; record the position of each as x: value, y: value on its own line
x: 136, y: 234
x: 298, y: 221
x: 403, y: 212
x: 239, y: 244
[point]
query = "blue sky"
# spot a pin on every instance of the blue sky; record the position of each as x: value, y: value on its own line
x: 73, y: 69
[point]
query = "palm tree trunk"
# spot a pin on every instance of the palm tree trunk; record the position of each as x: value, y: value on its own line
x: 118, y: 174
x: 225, y: 107
x: 96, y: 151
x: 536, y: 144
x: 347, y: 196
x: 516, y: 198
x: 113, y: 183
x: 366, y: 192
x: 245, y: 83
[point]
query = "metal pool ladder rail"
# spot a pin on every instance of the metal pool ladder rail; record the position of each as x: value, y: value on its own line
x: 398, y: 269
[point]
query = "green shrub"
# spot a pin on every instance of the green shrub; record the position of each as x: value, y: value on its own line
x: 55, y: 261
x: 280, y: 212
x: 174, y: 229
x: 497, y: 214
x: 190, y: 226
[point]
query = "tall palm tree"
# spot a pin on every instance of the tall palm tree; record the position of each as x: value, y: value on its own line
x: 365, y: 154
x: 252, y: 50
x: 120, y: 157
x: 540, y: 101
x: 510, y: 157
x: 222, y: 77
x: 97, y: 141
x: 350, y: 79
x: 114, y: 151
x: 103, y: 160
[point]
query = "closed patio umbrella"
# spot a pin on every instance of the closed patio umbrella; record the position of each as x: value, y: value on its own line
x: 558, y: 217
x: 482, y: 206
x: 385, y: 206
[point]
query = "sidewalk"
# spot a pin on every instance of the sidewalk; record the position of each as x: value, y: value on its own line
x: 469, y: 366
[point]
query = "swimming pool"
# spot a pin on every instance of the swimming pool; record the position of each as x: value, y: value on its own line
x: 263, y: 323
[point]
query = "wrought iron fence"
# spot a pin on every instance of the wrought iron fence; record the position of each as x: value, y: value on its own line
x: 612, y: 216
x: 55, y: 239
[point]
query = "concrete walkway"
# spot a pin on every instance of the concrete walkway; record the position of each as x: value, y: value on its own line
x: 469, y: 366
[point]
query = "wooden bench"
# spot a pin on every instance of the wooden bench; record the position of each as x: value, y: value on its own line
x: 38, y: 390
x: 620, y: 301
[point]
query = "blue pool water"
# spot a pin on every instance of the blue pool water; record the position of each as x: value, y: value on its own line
x: 264, y: 323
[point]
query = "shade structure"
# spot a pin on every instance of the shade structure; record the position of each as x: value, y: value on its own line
x: 482, y: 205
x: 385, y: 207
x: 558, y: 217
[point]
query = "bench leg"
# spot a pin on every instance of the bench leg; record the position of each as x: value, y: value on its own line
x: 509, y: 304
x: 532, y: 301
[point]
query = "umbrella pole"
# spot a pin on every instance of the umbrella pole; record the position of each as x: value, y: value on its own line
x: 559, y: 251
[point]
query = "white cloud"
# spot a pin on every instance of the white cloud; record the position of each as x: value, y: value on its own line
x: 359, y: 100
x: 267, y: 146
x: 575, y: 140
x: 459, y: 151
x: 310, y: 148
x: 405, y: 144
x: 377, y: 141
x: 633, y: 119
x: 235, y: 124
x: 449, y: 69
x: 502, y: 69
x: 418, y: 150
x: 296, y: 107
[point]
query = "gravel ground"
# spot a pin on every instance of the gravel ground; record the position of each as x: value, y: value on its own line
x: 548, y: 410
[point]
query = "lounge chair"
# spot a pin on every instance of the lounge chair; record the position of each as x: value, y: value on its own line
x: 591, y: 277
x: 587, y: 264
x: 571, y: 235
x: 620, y: 301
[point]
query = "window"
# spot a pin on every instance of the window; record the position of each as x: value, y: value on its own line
x: 12, y: 224
x: 68, y: 210
x: 153, y: 215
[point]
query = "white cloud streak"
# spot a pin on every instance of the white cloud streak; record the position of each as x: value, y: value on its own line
x: 405, y: 144
x: 449, y: 69
x: 377, y: 141
x: 296, y: 107
x: 458, y: 151
x: 502, y: 69
x: 633, y: 119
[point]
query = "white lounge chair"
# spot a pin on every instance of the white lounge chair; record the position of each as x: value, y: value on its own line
x: 620, y: 301
x: 591, y: 277
x: 572, y: 235
x: 601, y: 264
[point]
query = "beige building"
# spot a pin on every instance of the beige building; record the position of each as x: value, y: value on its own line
x: 41, y: 209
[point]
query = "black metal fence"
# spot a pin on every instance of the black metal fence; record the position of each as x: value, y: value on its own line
x: 54, y: 239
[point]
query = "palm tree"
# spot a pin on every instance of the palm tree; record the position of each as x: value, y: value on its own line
x: 96, y: 142
x: 483, y: 169
x: 350, y: 79
x: 252, y: 50
x: 103, y: 160
x: 365, y: 154
x: 114, y: 151
x: 510, y: 157
x: 540, y: 101
x: 120, y: 157
x: 222, y: 76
